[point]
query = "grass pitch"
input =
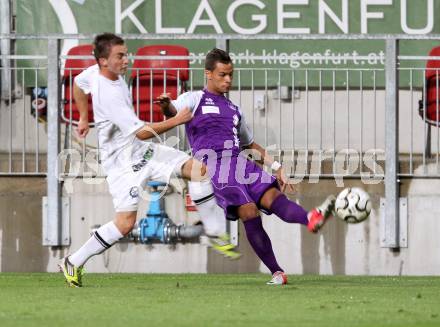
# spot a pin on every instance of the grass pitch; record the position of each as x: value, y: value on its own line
x: 218, y: 300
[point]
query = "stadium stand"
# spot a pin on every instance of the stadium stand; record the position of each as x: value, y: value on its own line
x: 152, y: 77
x: 71, y: 69
x: 429, y: 102
x: 429, y: 105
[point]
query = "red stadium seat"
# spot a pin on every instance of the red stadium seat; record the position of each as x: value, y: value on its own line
x: 71, y: 69
x: 429, y: 106
x: 152, y: 77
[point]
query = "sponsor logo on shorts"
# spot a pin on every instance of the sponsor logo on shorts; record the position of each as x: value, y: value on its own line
x: 134, y: 192
x: 145, y: 158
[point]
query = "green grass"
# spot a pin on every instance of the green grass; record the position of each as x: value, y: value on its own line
x: 218, y: 300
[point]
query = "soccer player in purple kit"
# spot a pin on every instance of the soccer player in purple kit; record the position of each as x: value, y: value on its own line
x: 217, y: 134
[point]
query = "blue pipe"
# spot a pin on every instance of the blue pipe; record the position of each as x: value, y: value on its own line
x: 155, y: 226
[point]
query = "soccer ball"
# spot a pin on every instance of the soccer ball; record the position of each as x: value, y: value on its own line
x: 353, y: 205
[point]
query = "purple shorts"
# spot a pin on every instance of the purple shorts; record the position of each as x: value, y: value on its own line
x: 237, y: 181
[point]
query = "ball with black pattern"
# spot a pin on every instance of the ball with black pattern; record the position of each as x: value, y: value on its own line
x: 353, y: 205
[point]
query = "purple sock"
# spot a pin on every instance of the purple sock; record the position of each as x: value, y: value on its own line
x: 261, y: 244
x: 289, y: 211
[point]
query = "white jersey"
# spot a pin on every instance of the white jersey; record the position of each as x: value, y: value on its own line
x: 128, y: 161
x: 115, y: 120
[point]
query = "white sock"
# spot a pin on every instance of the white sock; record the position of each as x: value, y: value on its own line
x: 212, y: 216
x: 102, y: 239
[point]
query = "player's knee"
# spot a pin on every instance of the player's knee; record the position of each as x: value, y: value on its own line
x: 125, y: 222
x: 198, y: 171
x: 193, y: 170
x: 203, y: 171
x: 248, y: 211
x: 200, y: 191
x: 269, y: 196
x: 127, y: 227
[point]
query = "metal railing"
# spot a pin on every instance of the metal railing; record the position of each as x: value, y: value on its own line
x: 323, y: 123
x: 23, y: 146
x: 419, y: 156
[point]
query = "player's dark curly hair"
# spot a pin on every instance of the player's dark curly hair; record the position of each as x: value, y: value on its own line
x: 103, y: 44
x: 214, y: 56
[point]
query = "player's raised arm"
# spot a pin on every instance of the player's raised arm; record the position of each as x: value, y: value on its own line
x: 151, y: 130
x: 82, y: 103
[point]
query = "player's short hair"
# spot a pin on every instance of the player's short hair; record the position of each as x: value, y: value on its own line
x: 214, y: 56
x: 103, y: 44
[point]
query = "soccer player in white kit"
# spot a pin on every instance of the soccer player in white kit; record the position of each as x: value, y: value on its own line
x: 128, y: 160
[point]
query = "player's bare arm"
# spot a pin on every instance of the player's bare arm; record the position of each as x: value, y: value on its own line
x: 82, y: 103
x: 167, y: 107
x: 268, y: 160
x: 151, y: 130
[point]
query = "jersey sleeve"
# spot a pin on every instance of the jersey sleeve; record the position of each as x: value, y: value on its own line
x: 245, y: 134
x: 122, y: 115
x: 84, y: 79
x: 187, y: 100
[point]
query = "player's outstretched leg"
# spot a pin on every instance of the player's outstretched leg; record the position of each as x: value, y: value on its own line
x: 319, y: 215
x: 213, y: 218
x: 102, y: 239
x: 72, y: 274
x: 285, y: 209
x: 291, y: 212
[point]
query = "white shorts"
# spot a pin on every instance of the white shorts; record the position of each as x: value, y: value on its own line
x: 159, y: 164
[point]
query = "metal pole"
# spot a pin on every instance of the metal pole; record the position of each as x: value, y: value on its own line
x: 391, y: 146
x: 53, y: 219
x: 5, y: 48
x: 222, y: 44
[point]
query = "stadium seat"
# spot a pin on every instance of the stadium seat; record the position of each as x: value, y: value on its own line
x: 152, y: 77
x: 429, y: 105
x: 71, y: 69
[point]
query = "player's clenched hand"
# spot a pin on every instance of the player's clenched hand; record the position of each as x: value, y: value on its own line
x: 163, y: 100
x: 283, y: 182
x: 183, y: 116
x: 83, y: 128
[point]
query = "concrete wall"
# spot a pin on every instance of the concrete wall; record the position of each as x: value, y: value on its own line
x: 339, y: 249
x: 20, y: 225
x: 21, y: 247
